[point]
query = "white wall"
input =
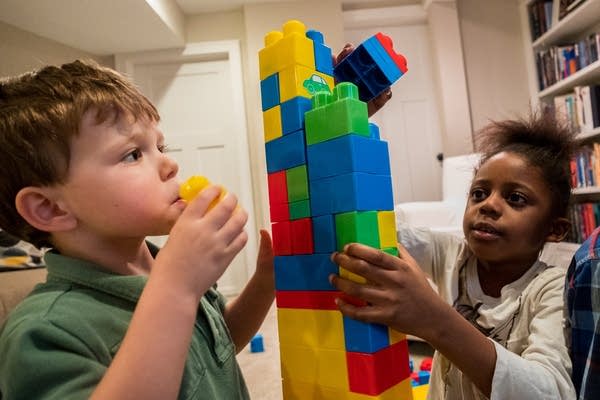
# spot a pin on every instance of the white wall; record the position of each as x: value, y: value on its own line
x: 492, y: 64
x: 23, y: 51
x: 494, y: 59
x: 259, y: 19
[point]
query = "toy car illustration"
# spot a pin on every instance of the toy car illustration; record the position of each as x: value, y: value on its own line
x: 316, y: 84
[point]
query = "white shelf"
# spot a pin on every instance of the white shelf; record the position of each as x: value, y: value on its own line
x: 574, y: 23
x: 579, y: 23
x: 586, y: 190
x: 588, y: 135
x: 585, y: 75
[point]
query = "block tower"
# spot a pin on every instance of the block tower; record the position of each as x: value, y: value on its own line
x: 329, y: 185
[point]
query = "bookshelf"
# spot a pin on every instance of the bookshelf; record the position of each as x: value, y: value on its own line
x: 562, y: 55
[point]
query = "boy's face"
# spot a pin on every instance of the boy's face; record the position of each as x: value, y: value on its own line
x: 120, y: 184
x: 507, y: 218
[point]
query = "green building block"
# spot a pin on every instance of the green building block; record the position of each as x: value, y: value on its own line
x: 391, y: 250
x: 357, y: 227
x: 299, y: 209
x: 336, y: 114
x: 297, y: 183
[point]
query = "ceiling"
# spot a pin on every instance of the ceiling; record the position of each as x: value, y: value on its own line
x: 203, y: 6
x: 104, y: 27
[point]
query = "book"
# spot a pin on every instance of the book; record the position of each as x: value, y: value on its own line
x: 567, y: 6
x: 595, y: 101
x: 585, y: 103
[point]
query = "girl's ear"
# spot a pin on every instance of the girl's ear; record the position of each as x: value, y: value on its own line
x: 41, y: 209
x: 558, y: 230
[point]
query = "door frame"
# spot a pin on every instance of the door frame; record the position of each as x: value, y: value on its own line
x: 213, y: 51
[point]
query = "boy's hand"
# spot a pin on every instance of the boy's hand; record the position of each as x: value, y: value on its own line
x: 376, y: 103
x: 397, y: 291
x: 203, y: 243
x: 245, y: 314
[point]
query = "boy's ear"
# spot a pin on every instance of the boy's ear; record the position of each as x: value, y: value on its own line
x: 41, y: 209
x: 558, y: 230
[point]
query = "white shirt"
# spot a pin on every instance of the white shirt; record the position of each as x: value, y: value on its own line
x: 525, y: 322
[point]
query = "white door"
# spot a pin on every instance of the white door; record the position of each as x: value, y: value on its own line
x: 198, y: 94
x: 409, y: 122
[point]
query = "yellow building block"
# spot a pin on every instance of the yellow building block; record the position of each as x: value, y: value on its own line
x: 298, y: 390
x: 292, y: 81
x: 319, y: 367
x: 351, y: 276
x: 282, y: 50
x: 319, y: 329
x: 395, y: 336
x: 401, y: 391
x: 272, y: 123
x: 386, y: 222
x: 420, y: 392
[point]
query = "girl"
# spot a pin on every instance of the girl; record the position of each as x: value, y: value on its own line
x: 497, y: 322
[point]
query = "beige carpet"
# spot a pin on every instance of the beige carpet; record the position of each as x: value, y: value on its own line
x: 263, y: 372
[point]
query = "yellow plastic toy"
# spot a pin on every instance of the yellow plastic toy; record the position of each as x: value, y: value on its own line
x: 194, y: 185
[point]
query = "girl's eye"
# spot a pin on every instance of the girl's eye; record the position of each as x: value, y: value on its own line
x: 517, y: 198
x: 478, y: 194
x: 133, y: 156
x: 162, y: 148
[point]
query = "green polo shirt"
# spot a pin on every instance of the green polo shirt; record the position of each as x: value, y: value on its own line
x: 58, y: 343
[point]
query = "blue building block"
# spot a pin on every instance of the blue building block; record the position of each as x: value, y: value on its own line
x: 324, y: 239
x: 256, y: 344
x: 285, y: 152
x: 360, y: 154
x: 323, y: 56
x: 292, y: 114
x: 356, y: 191
x: 269, y: 91
x: 304, y: 272
x: 424, y: 377
x: 369, y: 67
x: 374, y: 131
x: 383, y: 60
x: 363, y: 337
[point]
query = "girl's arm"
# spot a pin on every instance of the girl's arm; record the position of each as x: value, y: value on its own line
x: 544, y: 362
x: 245, y: 314
x: 400, y: 296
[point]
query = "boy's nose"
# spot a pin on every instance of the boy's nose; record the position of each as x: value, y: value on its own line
x: 168, y: 167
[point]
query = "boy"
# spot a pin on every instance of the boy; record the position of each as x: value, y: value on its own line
x: 582, y: 295
x: 116, y: 318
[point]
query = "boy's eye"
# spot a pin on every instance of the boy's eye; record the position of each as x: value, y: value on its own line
x: 162, y: 148
x: 133, y: 156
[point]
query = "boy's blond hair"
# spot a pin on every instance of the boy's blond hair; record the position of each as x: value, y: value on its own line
x: 40, y: 113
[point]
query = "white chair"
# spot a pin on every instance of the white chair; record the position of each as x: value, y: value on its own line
x: 445, y: 215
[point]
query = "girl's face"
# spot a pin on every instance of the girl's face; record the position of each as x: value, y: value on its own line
x: 508, y: 215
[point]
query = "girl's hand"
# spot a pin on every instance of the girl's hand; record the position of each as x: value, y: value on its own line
x: 397, y: 291
x: 203, y: 242
x: 376, y: 103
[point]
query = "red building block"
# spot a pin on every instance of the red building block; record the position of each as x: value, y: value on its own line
x: 277, y: 188
x: 279, y: 212
x: 386, y: 43
x: 282, y: 238
x: 302, y: 236
x: 373, y: 373
x: 313, y: 300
